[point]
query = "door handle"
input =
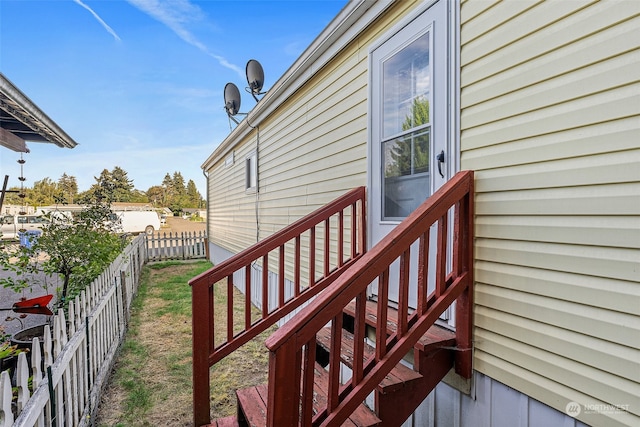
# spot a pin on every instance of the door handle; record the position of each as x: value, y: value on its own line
x: 440, y: 159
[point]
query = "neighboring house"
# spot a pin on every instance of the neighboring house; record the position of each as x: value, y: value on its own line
x: 541, y: 100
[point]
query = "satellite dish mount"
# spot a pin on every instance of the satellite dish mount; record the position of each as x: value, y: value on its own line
x: 255, y: 78
x: 232, y: 101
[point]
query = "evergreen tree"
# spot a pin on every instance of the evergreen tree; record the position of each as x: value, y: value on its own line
x: 178, y: 198
x: 167, y: 185
x: 179, y: 187
x: 122, y: 185
x: 68, y: 186
x: 193, y: 196
x: 100, y: 192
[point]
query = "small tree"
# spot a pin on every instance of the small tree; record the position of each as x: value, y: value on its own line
x: 79, y: 248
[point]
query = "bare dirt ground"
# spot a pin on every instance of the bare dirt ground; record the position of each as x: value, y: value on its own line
x: 177, y: 224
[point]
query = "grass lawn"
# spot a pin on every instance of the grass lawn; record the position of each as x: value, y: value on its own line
x: 152, y: 384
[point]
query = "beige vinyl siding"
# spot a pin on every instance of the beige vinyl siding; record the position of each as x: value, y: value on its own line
x: 550, y: 122
x: 231, y: 214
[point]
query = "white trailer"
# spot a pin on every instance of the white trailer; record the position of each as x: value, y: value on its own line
x: 138, y: 221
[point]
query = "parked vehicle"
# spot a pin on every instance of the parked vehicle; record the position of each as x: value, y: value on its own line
x: 13, y: 225
x: 137, y: 221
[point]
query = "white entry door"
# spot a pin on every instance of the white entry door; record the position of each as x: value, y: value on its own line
x: 410, y: 147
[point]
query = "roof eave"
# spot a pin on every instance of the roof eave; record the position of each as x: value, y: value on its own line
x: 23, y: 109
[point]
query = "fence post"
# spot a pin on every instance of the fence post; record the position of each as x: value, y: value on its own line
x: 125, y: 296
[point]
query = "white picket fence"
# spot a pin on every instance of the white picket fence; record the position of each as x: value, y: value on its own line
x: 163, y: 246
x: 71, y: 366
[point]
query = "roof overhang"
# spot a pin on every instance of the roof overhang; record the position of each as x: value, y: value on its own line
x: 344, y: 28
x: 21, y: 120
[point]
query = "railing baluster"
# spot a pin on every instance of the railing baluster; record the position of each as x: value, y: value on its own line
x: 265, y: 285
x: 354, y: 218
x: 312, y: 256
x: 326, y: 246
x: 281, y: 277
x: 210, y: 292
x: 423, y: 273
x: 403, y: 297
x: 334, y: 363
x: 383, y: 301
x: 363, y: 225
x: 358, y: 338
x: 230, y: 308
x: 341, y: 238
x: 308, y: 372
x: 296, y: 269
x: 441, y: 258
x: 247, y: 296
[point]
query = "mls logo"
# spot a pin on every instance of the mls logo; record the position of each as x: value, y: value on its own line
x: 573, y: 409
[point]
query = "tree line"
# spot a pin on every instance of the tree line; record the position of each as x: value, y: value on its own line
x: 112, y: 186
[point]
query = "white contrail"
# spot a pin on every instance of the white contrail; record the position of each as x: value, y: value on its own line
x: 95, y: 15
x: 176, y: 14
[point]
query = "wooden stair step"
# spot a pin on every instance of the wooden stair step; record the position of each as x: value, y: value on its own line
x: 252, y: 403
x: 436, y: 337
x: 225, y: 422
x: 398, y: 378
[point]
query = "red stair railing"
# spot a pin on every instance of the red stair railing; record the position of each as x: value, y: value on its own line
x: 292, y: 347
x: 334, y: 254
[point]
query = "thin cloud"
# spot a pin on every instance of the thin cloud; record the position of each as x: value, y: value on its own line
x: 95, y: 15
x: 177, y: 15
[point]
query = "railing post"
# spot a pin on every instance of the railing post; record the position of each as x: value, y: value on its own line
x: 284, y: 386
x: 464, y: 303
x: 201, y: 330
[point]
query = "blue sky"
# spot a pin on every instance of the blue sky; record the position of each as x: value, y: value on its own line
x: 139, y: 83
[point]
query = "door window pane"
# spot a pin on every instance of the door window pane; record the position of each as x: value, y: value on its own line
x: 406, y: 129
x: 406, y: 88
x: 406, y: 174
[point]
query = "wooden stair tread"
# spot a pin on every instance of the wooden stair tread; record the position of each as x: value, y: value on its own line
x: 224, y: 422
x: 399, y: 376
x: 253, y: 401
x: 436, y: 337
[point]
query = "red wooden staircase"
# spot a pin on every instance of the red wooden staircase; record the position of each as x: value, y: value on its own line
x: 343, y: 358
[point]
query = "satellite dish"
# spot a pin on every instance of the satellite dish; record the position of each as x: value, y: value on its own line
x: 255, y: 77
x: 231, y: 99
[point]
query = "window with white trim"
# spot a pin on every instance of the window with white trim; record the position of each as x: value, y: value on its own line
x: 251, y: 172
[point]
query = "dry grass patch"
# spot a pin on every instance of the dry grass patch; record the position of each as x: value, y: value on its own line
x: 152, y: 382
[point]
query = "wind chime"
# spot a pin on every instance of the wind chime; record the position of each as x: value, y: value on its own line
x: 25, y: 306
x: 22, y: 179
x: 21, y: 192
